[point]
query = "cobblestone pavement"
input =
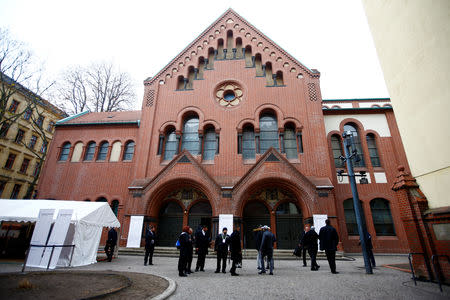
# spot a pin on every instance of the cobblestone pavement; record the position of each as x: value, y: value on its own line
x: 291, y: 280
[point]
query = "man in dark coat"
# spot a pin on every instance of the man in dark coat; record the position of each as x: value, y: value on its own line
x: 184, y: 251
x: 190, y: 252
x: 235, y: 250
x: 111, y: 243
x: 202, y: 241
x: 150, y: 241
x: 309, y: 243
x: 329, y: 240
x: 369, y: 249
x: 267, y: 242
x: 258, y: 232
x: 302, y: 247
x: 221, y: 247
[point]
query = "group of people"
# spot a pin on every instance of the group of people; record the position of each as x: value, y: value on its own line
x: 224, y: 244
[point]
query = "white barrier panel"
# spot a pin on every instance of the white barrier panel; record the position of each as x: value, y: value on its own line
x: 57, y: 237
x: 319, y: 222
x: 135, y: 232
x: 40, y: 235
x: 226, y: 221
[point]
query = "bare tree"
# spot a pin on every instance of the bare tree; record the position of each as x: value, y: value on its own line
x: 99, y: 87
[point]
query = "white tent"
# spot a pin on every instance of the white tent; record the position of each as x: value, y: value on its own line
x: 85, y: 230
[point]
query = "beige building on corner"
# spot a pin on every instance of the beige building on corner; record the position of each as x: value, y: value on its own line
x: 18, y: 164
x: 412, y: 39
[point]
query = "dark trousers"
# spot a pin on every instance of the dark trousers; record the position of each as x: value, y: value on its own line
x: 149, y: 255
x: 269, y: 255
x: 233, y: 266
x: 189, y: 262
x: 109, y: 250
x: 200, y: 260
x: 371, y: 257
x: 221, y: 257
x: 313, y: 254
x: 304, y: 256
x: 331, y: 257
x: 182, y: 263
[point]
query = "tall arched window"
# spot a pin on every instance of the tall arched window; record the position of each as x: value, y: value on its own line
x: 171, y: 144
x: 90, y: 151
x: 359, y: 161
x: 382, y: 218
x: 290, y: 142
x: 129, y: 151
x: 258, y: 66
x: 190, y: 139
x: 248, y: 142
x: 268, y: 128
x: 115, y: 206
x: 373, y: 151
x: 350, y: 217
x: 210, y: 146
x: 102, y: 151
x: 101, y: 199
x: 336, y: 148
x: 65, y: 150
x: 248, y: 57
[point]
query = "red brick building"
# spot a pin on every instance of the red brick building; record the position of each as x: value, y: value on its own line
x: 234, y: 125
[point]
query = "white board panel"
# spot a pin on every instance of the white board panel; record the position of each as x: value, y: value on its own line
x: 319, y: 222
x: 226, y: 220
x: 40, y: 235
x: 135, y: 232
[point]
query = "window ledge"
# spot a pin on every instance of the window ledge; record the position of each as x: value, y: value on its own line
x: 294, y: 160
x: 11, y: 170
x: 281, y: 85
x: 249, y: 161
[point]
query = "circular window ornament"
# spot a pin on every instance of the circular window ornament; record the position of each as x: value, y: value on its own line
x: 229, y: 94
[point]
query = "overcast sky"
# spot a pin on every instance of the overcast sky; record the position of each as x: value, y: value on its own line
x: 141, y: 37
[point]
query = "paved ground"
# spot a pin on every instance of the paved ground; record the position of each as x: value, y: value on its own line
x: 291, y: 280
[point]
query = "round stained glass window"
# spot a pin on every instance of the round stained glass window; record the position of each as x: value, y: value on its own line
x: 228, y: 94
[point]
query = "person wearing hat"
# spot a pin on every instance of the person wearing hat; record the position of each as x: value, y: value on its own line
x: 202, y: 241
x: 221, y: 248
x: 267, y: 242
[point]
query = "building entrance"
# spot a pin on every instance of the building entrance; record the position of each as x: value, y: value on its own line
x: 289, y: 222
x: 170, y: 224
x: 255, y: 214
x: 200, y: 214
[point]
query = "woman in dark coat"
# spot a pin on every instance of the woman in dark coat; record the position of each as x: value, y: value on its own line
x: 184, y: 251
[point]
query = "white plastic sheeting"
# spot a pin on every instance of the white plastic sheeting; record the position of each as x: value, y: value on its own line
x: 88, y: 219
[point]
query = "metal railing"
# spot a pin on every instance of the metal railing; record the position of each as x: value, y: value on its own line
x: 410, y: 255
x: 433, y: 261
x: 51, y: 254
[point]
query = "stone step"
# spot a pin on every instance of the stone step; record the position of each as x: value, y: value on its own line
x: 285, y: 254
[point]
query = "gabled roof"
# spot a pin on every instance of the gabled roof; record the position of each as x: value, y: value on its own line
x: 99, y: 118
x: 223, y: 21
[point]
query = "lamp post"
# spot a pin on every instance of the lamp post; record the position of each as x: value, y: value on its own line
x: 362, y: 229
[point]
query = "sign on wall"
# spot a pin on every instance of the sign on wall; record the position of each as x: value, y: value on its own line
x: 226, y: 220
x: 135, y: 232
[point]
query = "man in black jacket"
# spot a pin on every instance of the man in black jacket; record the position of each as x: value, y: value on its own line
x: 309, y: 243
x: 183, y: 240
x: 267, y: 242
x: 235, y: 250
x: 202, y: 241
x: 150, y: 241
x: 302, y: 247
x: 111, y: 243
x: 221, y: 247
x: 329, y: 240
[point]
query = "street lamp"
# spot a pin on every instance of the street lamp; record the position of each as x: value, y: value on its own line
x: 350, y: 153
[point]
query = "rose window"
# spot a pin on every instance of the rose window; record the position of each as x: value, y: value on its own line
x: 229, y: 94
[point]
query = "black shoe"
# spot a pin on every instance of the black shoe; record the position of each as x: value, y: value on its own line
x: 217, y: 271
x: 145, y: 264
x: 314, y: 269
x: 201, y: 270
x: 150, y: 264
x: 261, y: 272
x: 271, y: 273
x: 223, y: 271
x: 305, y: 265
x: 317, y: 267
x: 234, y: 274
x: 258, y: 268
x: 196, y: 269
x: 335, y: 272
x: 182, y: 275
x: 188, y: 272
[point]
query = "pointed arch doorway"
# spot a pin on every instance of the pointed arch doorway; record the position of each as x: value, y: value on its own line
x: 170, y: 224
x: 255, y: 214
x: 200, y: 214
x: 289, y: 224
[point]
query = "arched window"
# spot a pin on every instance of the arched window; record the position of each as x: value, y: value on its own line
x: 210, y: 146
x: 359, y: 161
x: 171, y: 144
x: 373, y: 151
x: 382, y: 218
x: 230, y: 42
x: 115, y: 206
x: 90, y: 151
x: 181, y: 83
x: 268, y: 74
x: 102, y: 151
x: 239, y: 52
x: 129, y: 151
x: 248, y: 57
x: 65, y: 150
x: 190, y: 78
x: 290, y: 142
x: 220, y: 53
x: 210, y: 64
x: 248, y: 142
x: 190, y: 139
x: 201, y: 67
x: 115, y: 151
x: 336, y: 148
x: 279, y: 79
x: 77, y: 152
x: 101, y: 199
x: 350, y: 217
x: 258, y: 66
x: 268, y: 128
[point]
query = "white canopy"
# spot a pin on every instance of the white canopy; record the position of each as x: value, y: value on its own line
x: 88, y: 219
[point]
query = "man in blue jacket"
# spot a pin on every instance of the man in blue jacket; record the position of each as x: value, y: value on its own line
x: 267, y: 242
